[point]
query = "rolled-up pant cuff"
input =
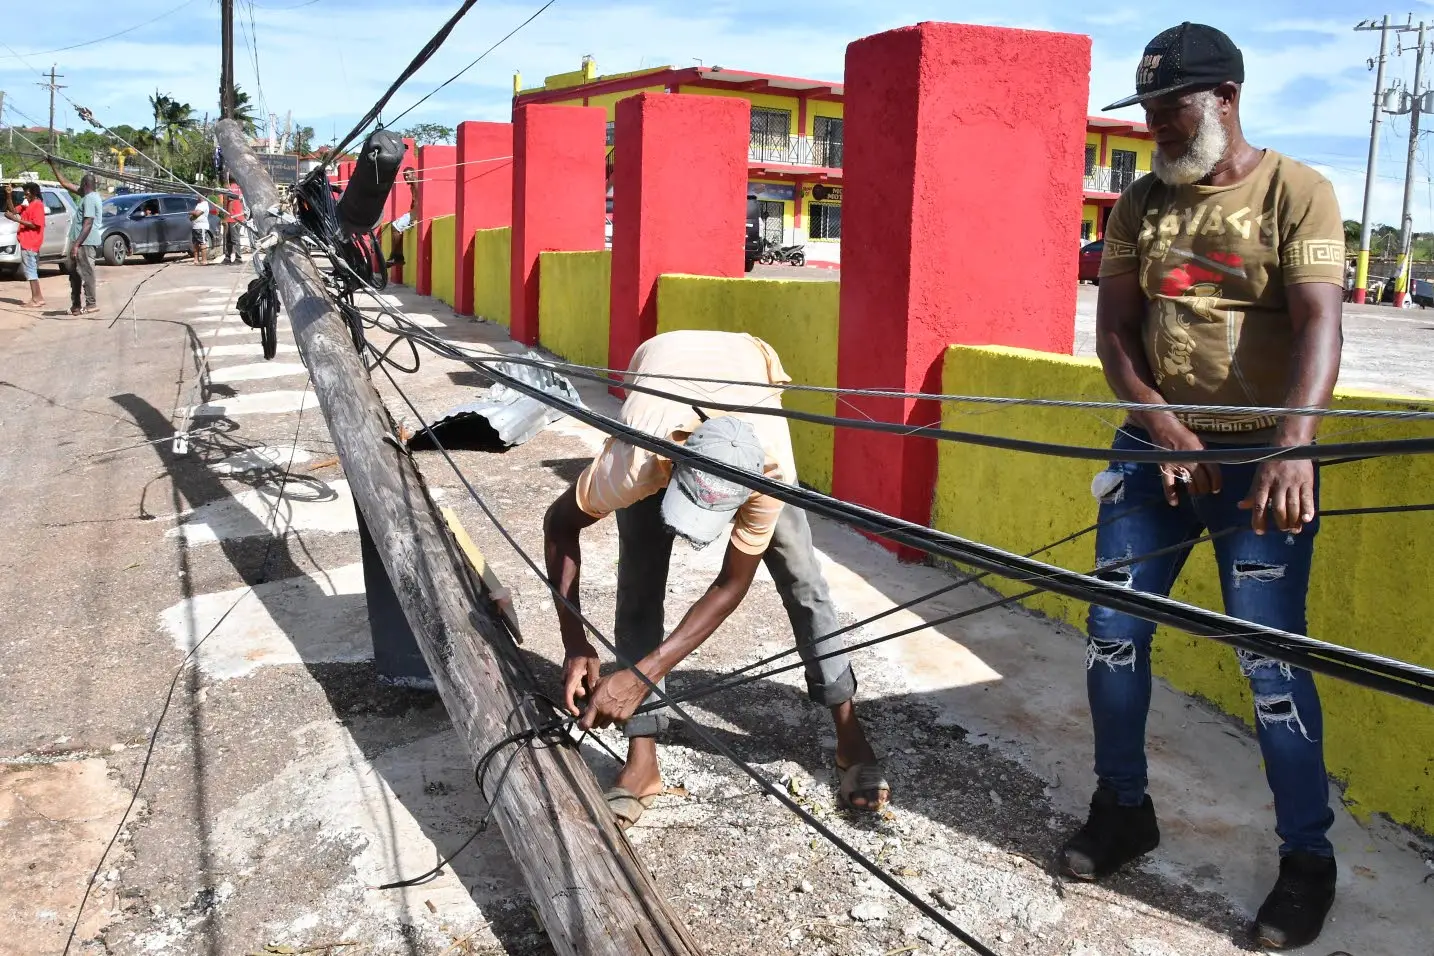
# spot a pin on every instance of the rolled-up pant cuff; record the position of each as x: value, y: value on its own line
x: 836, y: 692
x: 646, y: 725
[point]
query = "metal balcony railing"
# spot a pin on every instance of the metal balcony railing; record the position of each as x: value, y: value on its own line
x: 1104, y: 179
x: 795, y: 151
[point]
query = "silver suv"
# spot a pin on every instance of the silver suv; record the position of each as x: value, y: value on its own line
x: 59, y: 208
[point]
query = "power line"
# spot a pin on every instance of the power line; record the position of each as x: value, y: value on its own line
x: 111, y: 36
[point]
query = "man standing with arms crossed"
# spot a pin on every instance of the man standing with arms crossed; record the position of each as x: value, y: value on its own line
x: 31, y: 222
x: 86, y: 228
x: 657, y: 500
x: 1221, y: 284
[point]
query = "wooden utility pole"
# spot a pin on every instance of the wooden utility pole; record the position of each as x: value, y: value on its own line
x: 226, y: 64
x: 1361, y: 278
x: 1406, y: 218
x: 592, y: 893
x: 53, y: 86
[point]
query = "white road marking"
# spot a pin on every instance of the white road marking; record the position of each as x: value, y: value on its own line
x: 313, y: 619
x: 311, y: 505
x: 261, y: 458
x: 244, y: 348
x: 259, y: 403
x: 256, y: 370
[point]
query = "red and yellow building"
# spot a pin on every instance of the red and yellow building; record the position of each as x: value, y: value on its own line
x: 795, y: 152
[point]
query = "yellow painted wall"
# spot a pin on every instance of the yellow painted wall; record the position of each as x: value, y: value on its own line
x: 1141, y: 147
x: 443, y: 263
x: 608, y: 101
x: 573, y: 300
x: 766, y: 100
x: 492, y: 252
x: 410, y: 257
x: 817, y: 108
x: 1370, y: 588
x: 798, y: 319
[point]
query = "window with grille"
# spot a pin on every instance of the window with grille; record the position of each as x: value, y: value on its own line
x: 771, y: 135
x: 611, y: 130
x: 826, y: 141
x: 1090, y: 153
x: 824, y: 220
x: 1122, y: 169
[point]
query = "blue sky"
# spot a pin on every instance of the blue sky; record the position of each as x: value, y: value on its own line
x: 1307, y: 92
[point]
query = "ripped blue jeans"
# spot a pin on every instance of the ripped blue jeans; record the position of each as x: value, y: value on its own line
x: 1263, y: 578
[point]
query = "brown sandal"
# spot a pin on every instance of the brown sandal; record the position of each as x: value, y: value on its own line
x: 866, y: 780
x: 626, y: 806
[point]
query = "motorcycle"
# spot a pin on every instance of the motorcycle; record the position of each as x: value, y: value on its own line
x: 791, y: 255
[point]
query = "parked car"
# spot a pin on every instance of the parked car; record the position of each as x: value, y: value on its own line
x: 152, y: 225
x: 1089, y: 268
x: 59, y: 207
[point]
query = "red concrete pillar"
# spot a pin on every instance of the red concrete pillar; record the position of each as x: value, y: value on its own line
x: 679, y: 202
x: 484, y: 197
x: 399, y: 200
x: 962, y: 172
x: 437, y: 166
x: 559, y: 196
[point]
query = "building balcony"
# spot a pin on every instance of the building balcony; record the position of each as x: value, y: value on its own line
x: 1104, y: 179
x: 795, y: 151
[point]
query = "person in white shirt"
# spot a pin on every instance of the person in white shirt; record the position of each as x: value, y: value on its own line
x: 199, y: 231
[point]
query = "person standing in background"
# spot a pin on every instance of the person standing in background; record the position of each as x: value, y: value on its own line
x: 233, y: 220
x: 86, y: 229
x: 31, y: 221
x: 199, y: 231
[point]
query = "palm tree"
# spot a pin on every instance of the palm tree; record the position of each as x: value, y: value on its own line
x: 178, y: 117
x: 244, y: 111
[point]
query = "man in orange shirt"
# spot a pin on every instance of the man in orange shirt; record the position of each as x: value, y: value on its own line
x: 32, y: 236
x: 233, y: 215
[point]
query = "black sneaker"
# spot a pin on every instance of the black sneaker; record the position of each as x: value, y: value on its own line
x: 1112, y: 837
x: 1293, y: 914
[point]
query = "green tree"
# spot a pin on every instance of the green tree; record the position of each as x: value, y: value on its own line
x: 303, y: 143
x: 244, y: 111
x: 428, y: 134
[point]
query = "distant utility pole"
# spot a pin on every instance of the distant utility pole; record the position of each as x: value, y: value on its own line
x: 53, y: 86
x: 1361, y: 279
x: 226, y: 66
x: 1406, y: 222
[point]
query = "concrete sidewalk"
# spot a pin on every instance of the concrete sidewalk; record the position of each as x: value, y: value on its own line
x: 286, y: 783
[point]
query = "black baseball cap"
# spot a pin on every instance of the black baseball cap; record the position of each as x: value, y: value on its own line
x: 1186, y: 57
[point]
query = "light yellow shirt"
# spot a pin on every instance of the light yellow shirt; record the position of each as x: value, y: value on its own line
x: 623, y: 474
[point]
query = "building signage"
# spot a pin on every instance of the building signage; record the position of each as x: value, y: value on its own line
x: 776, y: 192
x: 826, y: 193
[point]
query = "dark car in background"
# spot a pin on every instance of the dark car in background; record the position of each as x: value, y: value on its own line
x: 151, y: 225
x: 1089, y: 268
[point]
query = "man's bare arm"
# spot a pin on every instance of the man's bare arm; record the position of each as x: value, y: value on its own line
x: 60, y: 177
x: 618, y: 696
x: 1284, y: 490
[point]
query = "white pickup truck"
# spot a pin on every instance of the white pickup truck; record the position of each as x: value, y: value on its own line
x: 59, y: 208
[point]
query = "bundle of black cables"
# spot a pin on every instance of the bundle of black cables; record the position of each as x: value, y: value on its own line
x: 316, y: 208
x: 259, y: 309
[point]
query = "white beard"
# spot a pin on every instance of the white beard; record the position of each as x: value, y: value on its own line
x: 1204, y: 152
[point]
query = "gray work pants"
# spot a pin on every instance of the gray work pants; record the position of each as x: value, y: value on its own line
x: 82, y: 274
x: 644, y: 552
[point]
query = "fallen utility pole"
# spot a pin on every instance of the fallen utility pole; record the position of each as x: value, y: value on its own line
x: 592, y: 893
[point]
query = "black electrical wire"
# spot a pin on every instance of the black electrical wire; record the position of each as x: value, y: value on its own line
x: 1228, y: 455
x: 422, y: 57
x: 476, y: 61
x: 1380, y: 673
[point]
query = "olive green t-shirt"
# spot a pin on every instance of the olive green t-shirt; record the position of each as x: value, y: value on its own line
x: 1214, y: 263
